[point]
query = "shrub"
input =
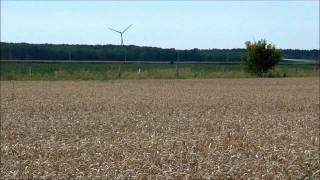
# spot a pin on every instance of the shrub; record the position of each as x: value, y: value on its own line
x: 260, y: 57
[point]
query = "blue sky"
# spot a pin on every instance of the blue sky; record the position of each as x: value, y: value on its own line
x: 166, y: 24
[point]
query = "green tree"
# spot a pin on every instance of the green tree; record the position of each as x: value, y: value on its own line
x: 260, y: 57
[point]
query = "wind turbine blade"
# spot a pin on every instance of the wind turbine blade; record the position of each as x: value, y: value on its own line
x: 115, y: 30
x: 127, y: 28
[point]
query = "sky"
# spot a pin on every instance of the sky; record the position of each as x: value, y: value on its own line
x: 165, y: 24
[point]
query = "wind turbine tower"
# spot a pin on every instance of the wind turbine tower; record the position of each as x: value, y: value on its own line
x: 121, y: 32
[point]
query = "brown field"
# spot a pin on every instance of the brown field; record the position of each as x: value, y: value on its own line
x: 161, y: 129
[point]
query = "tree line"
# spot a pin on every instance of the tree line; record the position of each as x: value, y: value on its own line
x: 25, y: 51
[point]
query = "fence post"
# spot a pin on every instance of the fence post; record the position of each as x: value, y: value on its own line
x: 177, y: 68
x: 30, y: 73
x: 119, y: 72
x: 177, y: 71
x: 139, y: 71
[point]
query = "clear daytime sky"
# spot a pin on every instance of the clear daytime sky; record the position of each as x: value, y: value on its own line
x: 166, y: 24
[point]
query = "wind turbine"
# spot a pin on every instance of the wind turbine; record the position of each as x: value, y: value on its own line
x: 121, y: 32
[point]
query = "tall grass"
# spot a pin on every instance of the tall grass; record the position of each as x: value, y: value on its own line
x: 20, y: 71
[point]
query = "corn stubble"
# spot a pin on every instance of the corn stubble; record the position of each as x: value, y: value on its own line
x: 161, y: 129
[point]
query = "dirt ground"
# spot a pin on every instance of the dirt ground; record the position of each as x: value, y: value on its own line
x: 161, y: 129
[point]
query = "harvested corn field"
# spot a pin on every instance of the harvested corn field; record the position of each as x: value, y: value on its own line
x: 161, y: 129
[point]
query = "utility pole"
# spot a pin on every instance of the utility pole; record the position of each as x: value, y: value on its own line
x: 177, y: 68
x: 30, y: 73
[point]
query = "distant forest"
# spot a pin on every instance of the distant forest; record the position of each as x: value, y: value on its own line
x: 25, y: 51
